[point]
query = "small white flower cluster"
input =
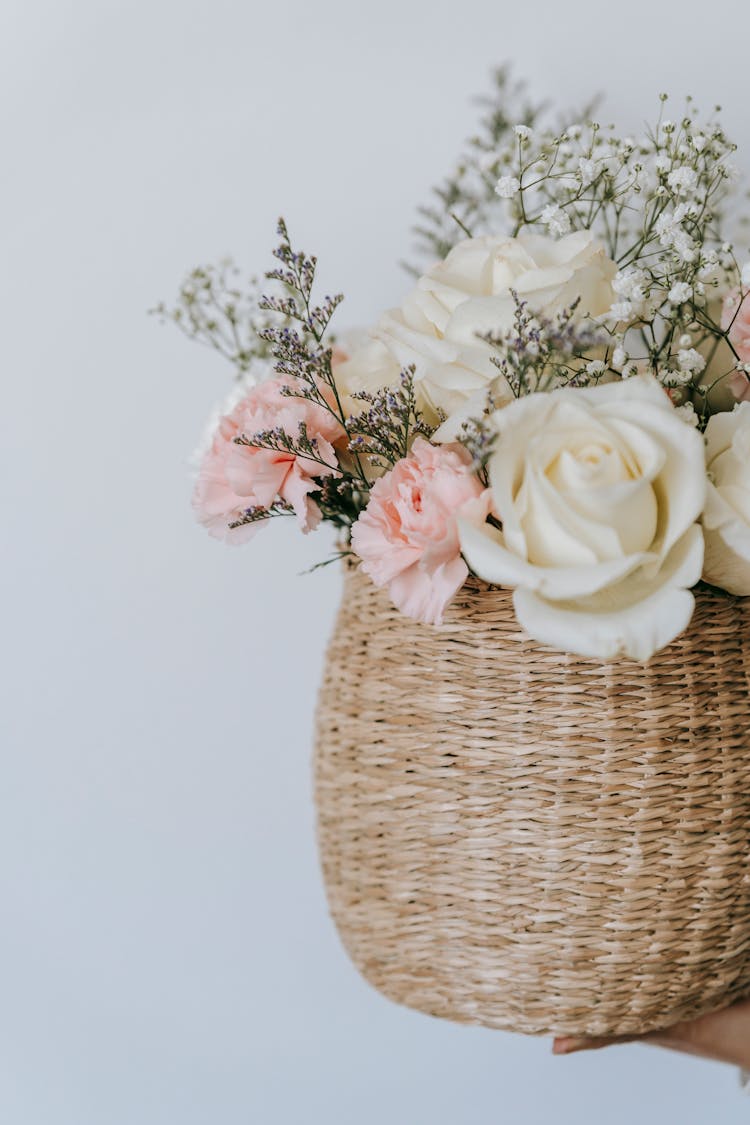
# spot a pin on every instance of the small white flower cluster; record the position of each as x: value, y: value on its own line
x: 555, y: 219
x: 630, y: 285
x: 507, y: 186
x: 656, y: 202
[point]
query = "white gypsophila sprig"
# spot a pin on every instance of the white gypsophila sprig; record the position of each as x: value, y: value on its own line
x: 471, y: 199
x: 216, y: 309
x: 507, y: 186
x: 658, y: 204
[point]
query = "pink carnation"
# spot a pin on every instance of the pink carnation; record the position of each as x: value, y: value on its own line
x: 735, y: 319
x: 407, y: 537
x: 739, y: 384
x: 233, y: 478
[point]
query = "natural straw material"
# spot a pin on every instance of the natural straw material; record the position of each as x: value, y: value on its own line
x: 520, y: 838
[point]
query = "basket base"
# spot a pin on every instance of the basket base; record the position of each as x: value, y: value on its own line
x: 522, y: 839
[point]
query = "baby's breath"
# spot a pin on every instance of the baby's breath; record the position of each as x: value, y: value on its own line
x: 216, y: 309
x: 658, y: 202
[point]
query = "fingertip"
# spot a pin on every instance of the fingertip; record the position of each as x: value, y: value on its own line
x: 563, y: 1045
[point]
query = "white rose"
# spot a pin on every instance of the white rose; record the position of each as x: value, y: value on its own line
x: 726, y: 519
x: 436, y: 329
x: 598, y: 491
x: 368, y: 367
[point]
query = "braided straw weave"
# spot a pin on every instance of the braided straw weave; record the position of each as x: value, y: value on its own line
x: 520, y: 838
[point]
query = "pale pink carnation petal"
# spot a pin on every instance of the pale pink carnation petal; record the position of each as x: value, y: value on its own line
x: 296, y: 492
x: 424, y: 594
x: 407, y: 536
x: 735, y: 319
x: 257, y: 473
x: 739, y: 384
x: 233, y: 478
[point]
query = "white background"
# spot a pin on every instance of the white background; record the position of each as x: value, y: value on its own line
x: 165, y: 953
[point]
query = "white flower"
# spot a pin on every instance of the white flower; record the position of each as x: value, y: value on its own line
x: 682, y: 180
x: 439, y: 325
x: 698, y: 141
x: 690, y: 360
x: 598, y: 491
x: 619, y: 358
x: 688, y: 414
x: 555, y: 219
x: 726, y: 519
x: 587, y: 170
x: 628, y: 284
x: 523, y: 132
x: 680, y: 292
x: 684, y: 246
x: 676, y: 378
x: 621, y: 310
x: 595, y: 367
x: 507, y: 186
x: 668, y: 224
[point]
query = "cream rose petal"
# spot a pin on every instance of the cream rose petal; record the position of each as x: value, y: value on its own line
x: 726, y: 518
x: 423, y: 594
x: 633, y: 619
x: 489, y: 558
x: 470, y: 293
x: 597, y: 536
x: 682, y: 478
x: 556, y: 535
x: 727, y: 561
x: 722, y: 428
x: 474, y: 407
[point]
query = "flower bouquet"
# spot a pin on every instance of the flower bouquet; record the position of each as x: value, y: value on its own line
x: 533, y: 759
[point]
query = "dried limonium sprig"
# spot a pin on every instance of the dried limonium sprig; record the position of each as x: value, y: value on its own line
x: 540, y: 353
x: 298, y: 345
x: 304, y: 361
x: 296, y: 273
x: 478, y: 435
x: 259, y: 515
x: 280, y: 441
x: 385, y: 429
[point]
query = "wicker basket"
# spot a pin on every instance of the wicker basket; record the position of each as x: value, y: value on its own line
x: 519, y: 838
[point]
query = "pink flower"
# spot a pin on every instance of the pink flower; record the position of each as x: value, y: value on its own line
x: 407, y: 537
x: 739, y: 385
x: 233, y: 478
x: 735, y: 319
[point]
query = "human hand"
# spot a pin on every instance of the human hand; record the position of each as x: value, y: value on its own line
x: 723, y: 1036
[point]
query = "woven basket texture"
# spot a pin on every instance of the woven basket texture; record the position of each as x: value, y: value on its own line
x: 524, y: 839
